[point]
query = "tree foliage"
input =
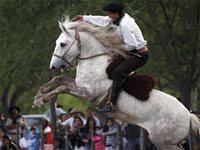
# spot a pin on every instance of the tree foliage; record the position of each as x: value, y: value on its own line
x: 28, y: 30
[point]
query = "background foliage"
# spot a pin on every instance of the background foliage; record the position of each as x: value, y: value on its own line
x: 28, y: 30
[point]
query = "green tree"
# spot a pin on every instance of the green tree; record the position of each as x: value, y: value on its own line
x: 26, y: 46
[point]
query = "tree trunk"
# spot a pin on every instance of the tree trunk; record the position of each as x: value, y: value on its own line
x: 185, y: 97
x: 8, y: 102
x: 5, y: 99
x: 53, y: 120
x: 19, y: 91
x: 198, y: 96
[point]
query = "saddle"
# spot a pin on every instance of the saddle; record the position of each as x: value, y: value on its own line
x: 136, y: 84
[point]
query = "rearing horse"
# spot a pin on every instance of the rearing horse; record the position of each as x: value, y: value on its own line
x: 167, y: 121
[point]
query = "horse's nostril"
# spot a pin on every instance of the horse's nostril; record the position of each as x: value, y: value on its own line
x: 63, y: 66
x: 53, y: 67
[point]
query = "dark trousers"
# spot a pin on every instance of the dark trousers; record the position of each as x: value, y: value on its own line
x: 122, y: 70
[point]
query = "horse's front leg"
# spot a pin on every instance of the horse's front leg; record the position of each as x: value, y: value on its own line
x: 58, y: 85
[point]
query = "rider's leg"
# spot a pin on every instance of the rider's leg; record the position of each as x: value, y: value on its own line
x: 120, y: 73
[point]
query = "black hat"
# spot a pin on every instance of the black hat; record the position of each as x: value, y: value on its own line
x: 114, y: 7
x: 14, y: 107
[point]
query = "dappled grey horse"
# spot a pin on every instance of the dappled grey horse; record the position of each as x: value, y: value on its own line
x: 167, y: 121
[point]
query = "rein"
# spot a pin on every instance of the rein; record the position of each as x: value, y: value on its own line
x: 85, y: 58
x: 77, y: 38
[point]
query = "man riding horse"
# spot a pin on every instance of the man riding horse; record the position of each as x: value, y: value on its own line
x: 133, y: 43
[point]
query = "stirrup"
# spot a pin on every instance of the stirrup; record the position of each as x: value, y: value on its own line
x: 108, y: 108
x: 112, y: 107
x: 104, y: 100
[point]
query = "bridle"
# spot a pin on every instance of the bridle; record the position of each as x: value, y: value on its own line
x: 77, y: 38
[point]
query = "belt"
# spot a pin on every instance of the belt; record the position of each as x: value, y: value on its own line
x: 139, y: 52
x: 142, y: 50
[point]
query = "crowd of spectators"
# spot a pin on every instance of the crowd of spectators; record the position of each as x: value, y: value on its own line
x: 75, y: 130
x: 15, y: 134
x: 90, y: 131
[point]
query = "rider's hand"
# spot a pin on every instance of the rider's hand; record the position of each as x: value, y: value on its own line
x: 77, y: 18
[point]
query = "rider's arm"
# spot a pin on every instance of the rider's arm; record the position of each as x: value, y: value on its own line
x: 98, y: 20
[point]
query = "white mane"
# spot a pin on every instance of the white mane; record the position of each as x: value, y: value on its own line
x: 106, y: 35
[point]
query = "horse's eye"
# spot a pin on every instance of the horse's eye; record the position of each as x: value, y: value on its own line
x: 63, y: 44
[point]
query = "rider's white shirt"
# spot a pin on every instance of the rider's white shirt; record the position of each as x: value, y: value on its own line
x: 127, y: 30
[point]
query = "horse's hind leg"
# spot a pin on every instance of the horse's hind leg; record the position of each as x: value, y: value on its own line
x: 169, y: 147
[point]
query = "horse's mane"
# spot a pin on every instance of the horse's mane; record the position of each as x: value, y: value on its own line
x: 106, y: 35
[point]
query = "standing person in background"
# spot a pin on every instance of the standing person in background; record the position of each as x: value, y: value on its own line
x: 91, y: 113
x: 24, y: 140
x: 70, y: 121
x: 121, y: 134
x: 133, y: 44
x: 8, y: 144
x: 63, y: 117
x: 132, y: 136
x: 34, y: 139
x: 1, y: 138
x: 47, y: 132
x: 89, y: 131
x: 13, y: 122
x: 75, y: 134
x: 98, y: 140
x: 2, y: 122
x: 61, y: 132
x: 110, y: 131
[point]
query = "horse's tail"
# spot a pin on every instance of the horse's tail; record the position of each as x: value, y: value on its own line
x: 194, y: 125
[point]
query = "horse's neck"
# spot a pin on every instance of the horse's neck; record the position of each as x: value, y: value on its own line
x: 91, y: 73
x: 90, y: 46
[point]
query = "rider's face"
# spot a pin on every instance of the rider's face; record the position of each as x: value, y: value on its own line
x: 113, y: 16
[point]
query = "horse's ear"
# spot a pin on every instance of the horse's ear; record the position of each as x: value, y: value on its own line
x: 62, y: 27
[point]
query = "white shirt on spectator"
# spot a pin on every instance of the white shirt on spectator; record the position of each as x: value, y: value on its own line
x: 24, y: 143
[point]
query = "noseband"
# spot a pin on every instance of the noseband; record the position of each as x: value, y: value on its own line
x: 77, y: 38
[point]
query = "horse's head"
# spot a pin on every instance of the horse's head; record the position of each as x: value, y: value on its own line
x: 67, y: 48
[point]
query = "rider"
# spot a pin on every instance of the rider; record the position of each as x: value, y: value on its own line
x: 133, y: 42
